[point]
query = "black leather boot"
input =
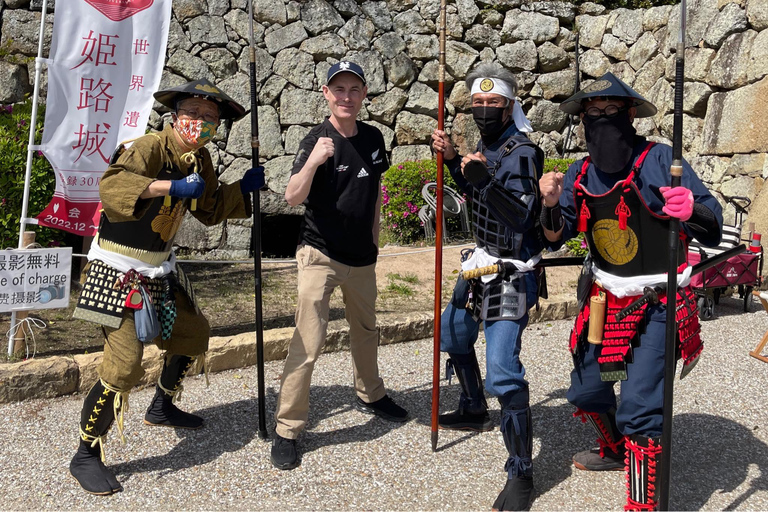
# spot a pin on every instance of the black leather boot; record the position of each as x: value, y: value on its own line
x: 610, y: 454
x: 96, y: 418
x: 516, y: 426
x: 162, y: 411
x: 472, y: 413
x: 643, y: 470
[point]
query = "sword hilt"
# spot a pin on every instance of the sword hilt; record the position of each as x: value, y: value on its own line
x: 649, y: 295
x: 496, y: 268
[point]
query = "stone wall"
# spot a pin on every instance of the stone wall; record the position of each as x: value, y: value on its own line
x: 726, y: 94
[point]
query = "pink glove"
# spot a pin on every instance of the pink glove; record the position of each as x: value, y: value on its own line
x: 679, y: 202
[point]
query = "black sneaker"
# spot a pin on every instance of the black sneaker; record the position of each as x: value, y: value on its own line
x: 284, y: 454
x: 590, y: 460
x: 384, y: 408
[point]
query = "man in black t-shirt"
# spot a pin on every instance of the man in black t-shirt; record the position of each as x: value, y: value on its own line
x: 336, y: 175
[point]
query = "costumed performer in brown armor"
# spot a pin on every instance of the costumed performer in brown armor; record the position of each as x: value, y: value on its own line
x: 131, y: 271
x: 619, y: 198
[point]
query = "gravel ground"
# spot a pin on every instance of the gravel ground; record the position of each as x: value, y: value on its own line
x: 354, y: 461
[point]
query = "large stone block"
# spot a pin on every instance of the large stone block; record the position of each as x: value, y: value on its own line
x: 298, y: 106
x: 177, y: 38
x: 207, y: 29
x: 14, y: 82
x: 700, y: 14
x: 296, y: 66
x: 552, y: 58
x: 649, y: 74
x: 546, y: 116
x: 378, y: 14
x: 285, y: 37
x: 410, y: 154
x: 238, y: 87
x: 269, y: 11
x: 319, y: 16
x: 565, y: 12
x: 465, y: 134
x: 195, y: 236
x: 521, y: 26
x: 401, y: 70
x: 386, y: 132
x: 409, y: 23
x: 482, y: 36
x: 757, y: 14
x: 189, y: 66
x: 735, y: 121
x: 278, y: 173
x: 293, y: 137
x: 385, y: 107
x: 389, y: 45
x: 656, y: 17
x: 188, y: 9
x: 324, y: 46
x: 591, y: 30
x: 422, y: 47
x: 758, y: 57
x: 271, y: 89
x: 20, y: 31
x: 730, y: 20
x: 459, y: 57
x: 518, y: 56
x: 594, y: 63
x: 371, y: 62
x: 614, y: 47
x: 560, y: 84
x: 695, y: 98
x: 430, y: 74
x: 468, y: 11
x: 645, y: 48
x: 460, y: 97
x: 413, y: 128
x: 264, y: 63
x: 697, y: 64
x: 358, y: 32
x: 422, y: 99
x: 347, y: 8
x: 270, y: 143
x: 37, y: 378
x: 220, y: 62
x: 730, y: 67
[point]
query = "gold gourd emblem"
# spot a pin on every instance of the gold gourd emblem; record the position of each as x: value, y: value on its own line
x: 617, y: 246
x: 168, y: 221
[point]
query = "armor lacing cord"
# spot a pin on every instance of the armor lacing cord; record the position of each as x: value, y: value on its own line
x: 202, y: 367
x: 175, y: 393
x: 604, y: 436
x: 120, y: 405
x: 95, y: 440
x: 641, y: 452
x: 518, y: 464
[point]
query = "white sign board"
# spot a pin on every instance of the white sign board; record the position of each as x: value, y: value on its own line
x: 34, y: 279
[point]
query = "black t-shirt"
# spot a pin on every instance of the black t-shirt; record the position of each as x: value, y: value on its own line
x: 341, y: 204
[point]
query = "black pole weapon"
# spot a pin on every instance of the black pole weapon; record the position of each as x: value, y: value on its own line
x: 438, y: 233
x: 256, y: 233
x: 676, y: 173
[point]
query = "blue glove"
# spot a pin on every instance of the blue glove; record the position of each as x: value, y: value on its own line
x: 252, y: 180
x: 192, y: 186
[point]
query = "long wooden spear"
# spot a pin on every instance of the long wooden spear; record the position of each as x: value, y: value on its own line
x: 676, y: 173
x: 256, y: 232
x: 438, y: 233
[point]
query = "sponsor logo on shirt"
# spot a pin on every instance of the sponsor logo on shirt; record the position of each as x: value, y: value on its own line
x: 373, y: 157
x: 342, y: 168
x: 362, y: 173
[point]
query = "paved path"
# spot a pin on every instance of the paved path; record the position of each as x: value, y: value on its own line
x: 353, y: 461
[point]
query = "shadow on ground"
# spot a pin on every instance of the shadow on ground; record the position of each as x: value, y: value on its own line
x: 711, y: 454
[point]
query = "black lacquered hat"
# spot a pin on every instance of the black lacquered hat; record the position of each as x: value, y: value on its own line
x: 608, y: 85
x: 230, y: 109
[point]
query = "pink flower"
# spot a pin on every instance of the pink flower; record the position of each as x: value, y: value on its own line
x: 583, y: 243
x: 406, y: 213
x: 400, y: 166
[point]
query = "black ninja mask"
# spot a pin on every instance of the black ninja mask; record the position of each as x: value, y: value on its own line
x: 490, y: 120
x: 610, y: 141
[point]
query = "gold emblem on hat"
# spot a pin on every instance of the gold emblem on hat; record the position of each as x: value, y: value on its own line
x: 207, y: 88
x: 486, y: 85
x: 617, y: 246
x: 598, y: 85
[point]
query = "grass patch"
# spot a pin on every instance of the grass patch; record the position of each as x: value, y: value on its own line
x: 407, y: 278
x: 399, y: 289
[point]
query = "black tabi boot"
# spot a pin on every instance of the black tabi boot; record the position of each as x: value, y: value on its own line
x: 472, y: 413
x: 610, y: 454
x: 96, y: 418
x: 162, y: 411
x: 516, y: 429
x: 643, y: 470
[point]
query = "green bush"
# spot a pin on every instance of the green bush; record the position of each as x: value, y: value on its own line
x: 577, y: 246
x: 14, y: 134
x: 557, y: 164
x: 401, y: 199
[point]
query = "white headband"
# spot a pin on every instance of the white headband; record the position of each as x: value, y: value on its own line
x: 502, y: 88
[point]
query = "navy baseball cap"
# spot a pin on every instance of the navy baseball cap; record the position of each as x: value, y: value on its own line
x: 345, y: 66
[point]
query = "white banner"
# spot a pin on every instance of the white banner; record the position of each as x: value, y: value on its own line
x: 34, y: 279
x: 105, y: 63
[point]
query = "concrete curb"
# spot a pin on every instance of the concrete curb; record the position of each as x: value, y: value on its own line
x: 63, y: 375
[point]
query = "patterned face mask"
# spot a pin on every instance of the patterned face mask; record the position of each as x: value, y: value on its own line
x: 195, y: 132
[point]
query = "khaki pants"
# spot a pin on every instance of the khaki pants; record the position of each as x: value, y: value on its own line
x: 121, y: 367
x: 318, y: 277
